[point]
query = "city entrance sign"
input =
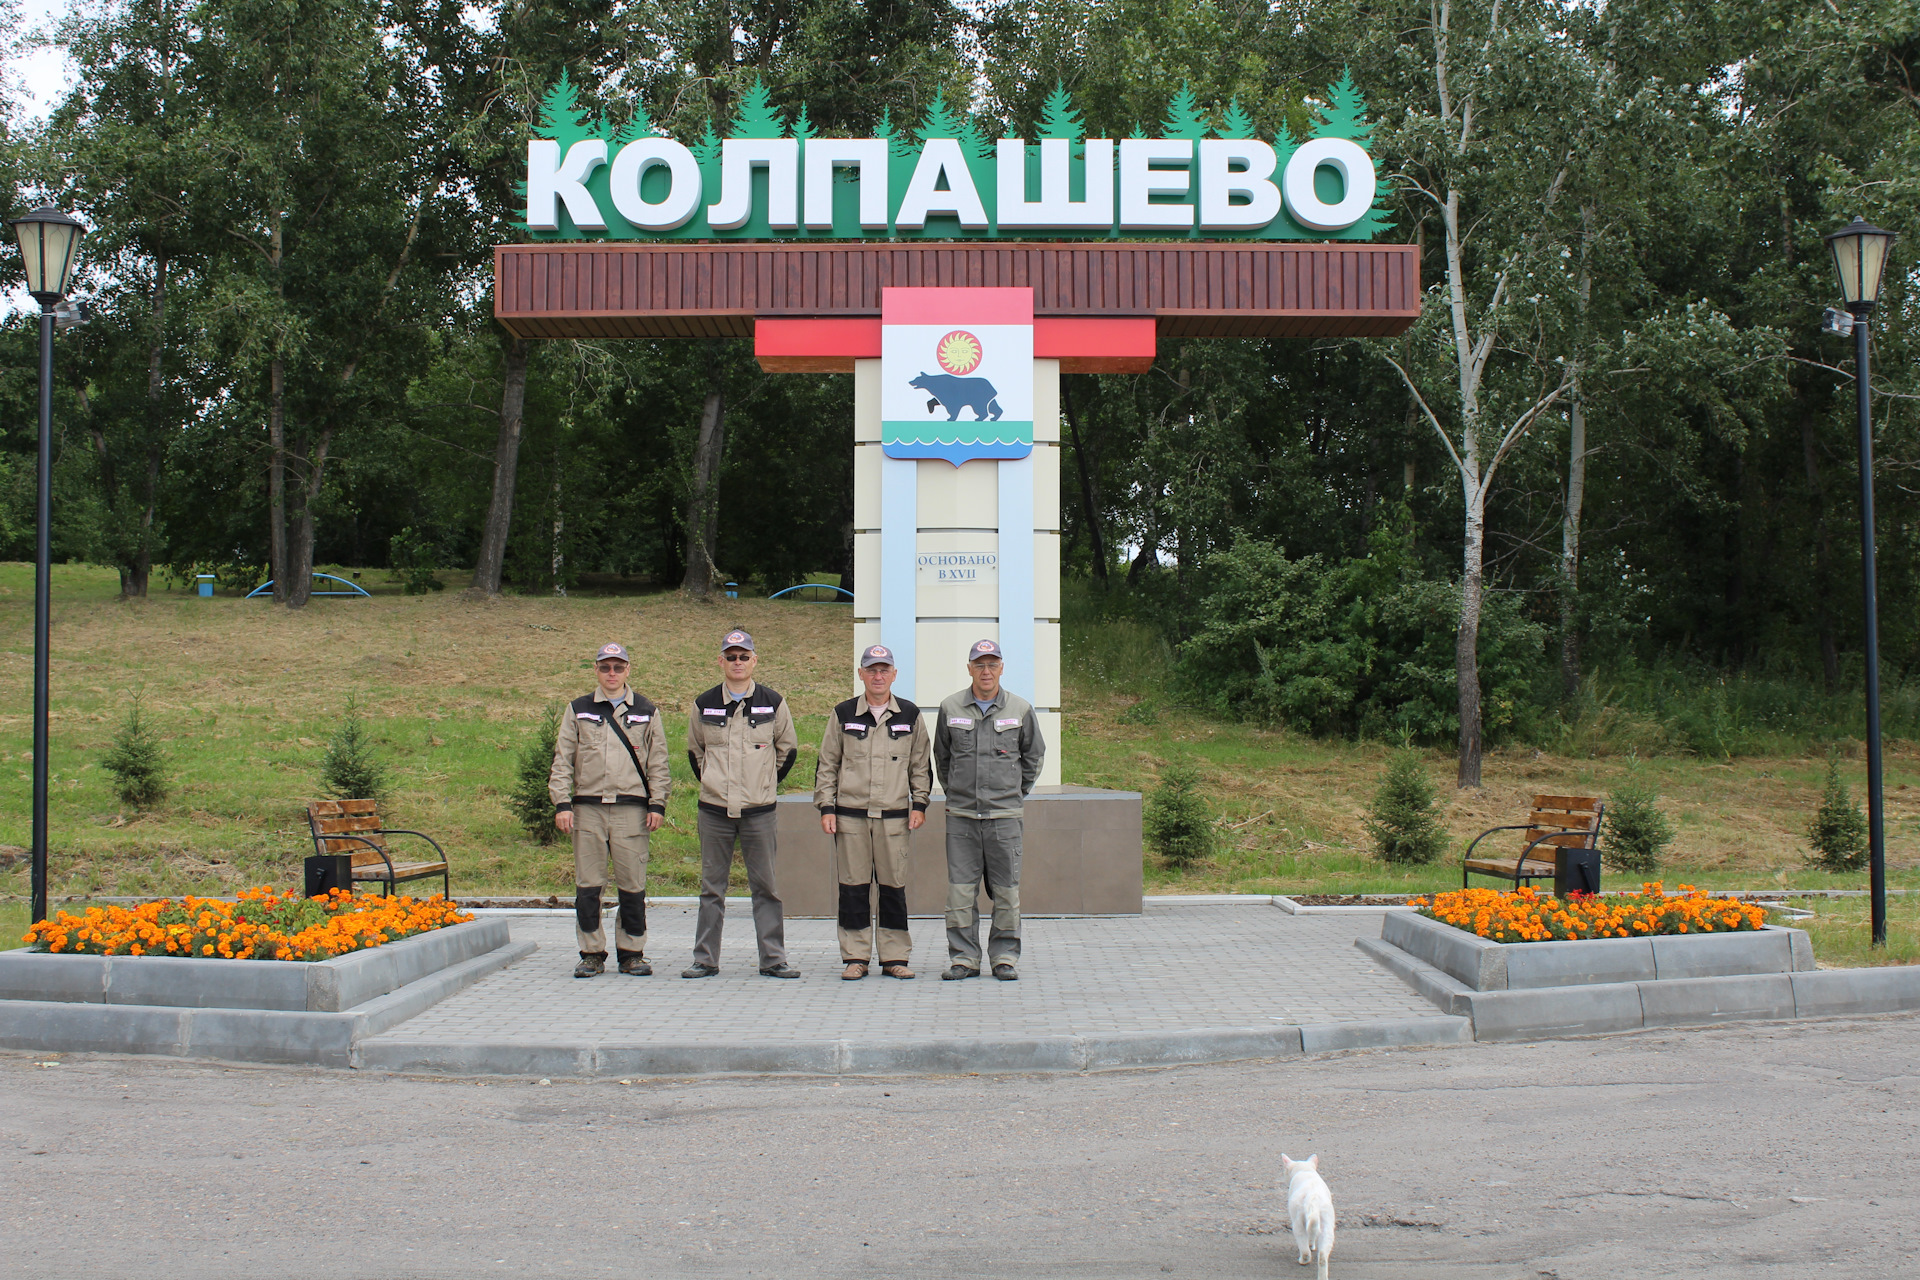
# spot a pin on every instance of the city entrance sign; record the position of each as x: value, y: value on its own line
x: 771, y: 179
x: 956, y: 277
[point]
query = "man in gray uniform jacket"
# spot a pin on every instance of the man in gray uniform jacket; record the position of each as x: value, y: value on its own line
x: 741, y: 744
x: 987, y: 748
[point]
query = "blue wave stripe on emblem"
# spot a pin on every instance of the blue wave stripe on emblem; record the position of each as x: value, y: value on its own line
x: 1005, y: 433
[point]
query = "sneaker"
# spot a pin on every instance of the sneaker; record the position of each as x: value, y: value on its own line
x: 1006, y: 973
x: 781, y: 970
x: 958, y: 972
x: 699, y: 971
x: 855, y: 970
x: 896, y: 970
x: 636, y: 966
x: 590, y: 966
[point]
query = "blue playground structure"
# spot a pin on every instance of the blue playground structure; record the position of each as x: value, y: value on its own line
x: 814, y: 586
x: 352, y: 588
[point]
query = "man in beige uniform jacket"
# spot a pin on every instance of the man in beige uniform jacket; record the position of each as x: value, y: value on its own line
x: 740, y: 743
x: 871, y: 789
x: 609, y: 788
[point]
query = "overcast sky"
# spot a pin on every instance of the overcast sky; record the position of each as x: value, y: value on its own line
x: 37, y: 77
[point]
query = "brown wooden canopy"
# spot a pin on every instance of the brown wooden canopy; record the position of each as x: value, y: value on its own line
x: 1211, y: 290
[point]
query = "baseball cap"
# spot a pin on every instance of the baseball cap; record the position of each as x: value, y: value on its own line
x: 736, y: 640
x: 875, y: 654
x: 985, y: 649
x: 612, y: 651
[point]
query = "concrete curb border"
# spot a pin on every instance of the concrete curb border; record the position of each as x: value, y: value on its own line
x: 1485, y: 965
x: 319, y: 986
x: 991, y: 1055
x: 316, y: 1037
x: 1543, y: 1013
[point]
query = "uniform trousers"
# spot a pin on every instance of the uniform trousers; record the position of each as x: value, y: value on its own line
x: 983, y: 849
x: 867, y: 852
x: 754, y: 833
x: 615, y: 833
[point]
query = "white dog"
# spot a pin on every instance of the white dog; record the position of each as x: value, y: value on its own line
x: 1309, y: 1210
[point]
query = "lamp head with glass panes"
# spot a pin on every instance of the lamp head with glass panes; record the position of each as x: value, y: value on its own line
x: 49, y: 243
x: 1859, y: 255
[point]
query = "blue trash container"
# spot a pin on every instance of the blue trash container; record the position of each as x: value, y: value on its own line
x: 205, y: 581
x: 733, y: 591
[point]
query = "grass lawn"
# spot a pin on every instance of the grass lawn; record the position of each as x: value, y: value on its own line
x: 247, y: 695
x: 1842, y: 930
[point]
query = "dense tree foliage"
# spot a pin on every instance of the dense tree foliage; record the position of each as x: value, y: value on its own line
x: 1616, y: 437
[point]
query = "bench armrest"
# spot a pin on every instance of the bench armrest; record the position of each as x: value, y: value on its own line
x: 1490, y: 830
x: 395, y: 831
x: 321, y: 848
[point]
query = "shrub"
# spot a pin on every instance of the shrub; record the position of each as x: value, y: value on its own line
x: 1177, y: 822
x: 415, y: 556
x: 1363, y: 646
x: 528, y: 800
x: 1636, y: 833
x: 1839, y: 830
x: 1403, y: 820
x: 350, y: 770
x: 137, y: 761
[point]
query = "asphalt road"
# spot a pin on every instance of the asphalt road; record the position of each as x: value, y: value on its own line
x: 1764, y: 1150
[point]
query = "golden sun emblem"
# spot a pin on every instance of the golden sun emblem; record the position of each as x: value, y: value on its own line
x: 959, y: 352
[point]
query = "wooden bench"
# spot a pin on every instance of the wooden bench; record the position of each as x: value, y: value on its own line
x: 1557, y: 822
x: 352, y: 828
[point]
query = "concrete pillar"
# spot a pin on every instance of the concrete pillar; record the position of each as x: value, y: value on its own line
x: 907, y: 511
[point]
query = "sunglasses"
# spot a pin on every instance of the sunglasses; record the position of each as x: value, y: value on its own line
x: 611, y: 666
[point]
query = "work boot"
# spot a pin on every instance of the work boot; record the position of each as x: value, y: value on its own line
x: 592, y: 964
x: 636, y: 966
x: 781, y: 970
x: 958, y: 972
x: 1006, y: 972
x: 698, y: 970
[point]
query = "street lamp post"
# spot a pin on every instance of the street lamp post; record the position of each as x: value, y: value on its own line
x: 1859, y: 253
x: 49, y: 242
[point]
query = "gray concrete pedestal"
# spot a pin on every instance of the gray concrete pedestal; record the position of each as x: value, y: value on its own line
x: 1081, y: 855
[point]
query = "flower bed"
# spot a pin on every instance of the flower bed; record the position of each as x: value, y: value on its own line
x: 1526, y: 915
x: 261, y: 925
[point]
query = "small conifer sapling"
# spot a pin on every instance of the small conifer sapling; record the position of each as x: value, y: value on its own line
x: 350, y: 769
x: 136, y: 760
x: 1637, y: 833
x: 1403, y: 820
x: 1839, y: 829
x: 528, y: 801
x: 1176, y: 819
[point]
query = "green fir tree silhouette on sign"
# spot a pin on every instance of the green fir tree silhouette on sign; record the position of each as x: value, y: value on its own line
x: 1185, y: 120
x: 757, y: 116
x: 1058, y: 118
x: 1236, y: 124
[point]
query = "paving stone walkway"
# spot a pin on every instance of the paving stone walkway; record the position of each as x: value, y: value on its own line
x: 1170, y: 969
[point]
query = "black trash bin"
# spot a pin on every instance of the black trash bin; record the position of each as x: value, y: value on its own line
x: 1575, y: 871
x: 327, y: 871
